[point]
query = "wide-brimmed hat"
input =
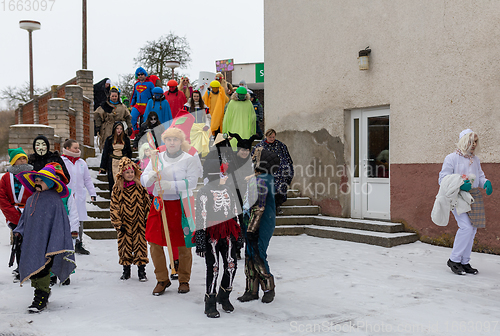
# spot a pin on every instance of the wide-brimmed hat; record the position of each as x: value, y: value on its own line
x: 27, y: 179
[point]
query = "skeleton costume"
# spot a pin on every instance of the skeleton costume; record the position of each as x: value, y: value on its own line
x: 217, y: 233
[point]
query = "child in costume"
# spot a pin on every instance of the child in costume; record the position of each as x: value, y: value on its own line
x: 465, y: 163
x: 260, y: 227
x: 129, y: 209
x: 80, y: 180
x: 13, y: 195
x: 217, y: 233
x: 45, y: 231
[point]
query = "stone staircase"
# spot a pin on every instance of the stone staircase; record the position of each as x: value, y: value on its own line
x: 299, y: 217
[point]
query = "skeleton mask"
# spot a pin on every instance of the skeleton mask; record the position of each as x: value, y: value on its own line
x: 40, y: 147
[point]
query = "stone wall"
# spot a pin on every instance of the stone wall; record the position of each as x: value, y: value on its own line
x: 22, y: 135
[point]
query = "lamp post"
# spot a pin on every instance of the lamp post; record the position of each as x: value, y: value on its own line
x: 172, y: 65
x: 30, y: 26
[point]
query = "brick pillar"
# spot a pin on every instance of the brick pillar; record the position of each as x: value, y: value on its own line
x: 74, y: 94
x: 85, y: 79
x: 20, y: 113
x: 53, y: 89
x: 23, y: 136
x: 58, y: 117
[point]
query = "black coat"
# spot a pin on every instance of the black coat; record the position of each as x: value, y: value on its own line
x: 38, y: 161
x: 107, y: 160
x: 101, y: 94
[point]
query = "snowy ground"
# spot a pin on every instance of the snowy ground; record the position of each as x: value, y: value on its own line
x: 323, y: 286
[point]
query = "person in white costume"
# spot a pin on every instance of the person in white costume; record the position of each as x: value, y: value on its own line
x: 79, y: 181
x: 465, y: 163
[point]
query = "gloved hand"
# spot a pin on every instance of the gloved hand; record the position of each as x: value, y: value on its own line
x: 488, y: 187
x: 12, y: 226
x: 162, y: 186
x: 74, y: 234
x: 201, y: 254
x: 466, y: 186
x: 151, y: 178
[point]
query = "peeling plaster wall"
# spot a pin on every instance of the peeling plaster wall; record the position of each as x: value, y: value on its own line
x: 320, y: 169
x: 433, y: 62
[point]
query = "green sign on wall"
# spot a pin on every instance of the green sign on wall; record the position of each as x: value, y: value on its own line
x: 259, y: 73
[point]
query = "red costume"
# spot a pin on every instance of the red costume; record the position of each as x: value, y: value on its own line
x: 11, y: 206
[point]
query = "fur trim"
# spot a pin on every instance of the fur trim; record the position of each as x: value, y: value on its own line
x: 234, y: 96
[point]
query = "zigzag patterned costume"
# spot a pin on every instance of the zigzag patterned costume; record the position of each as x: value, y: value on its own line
x: 129, y: 209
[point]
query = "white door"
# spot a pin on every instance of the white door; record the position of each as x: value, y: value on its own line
x: 370, y: 196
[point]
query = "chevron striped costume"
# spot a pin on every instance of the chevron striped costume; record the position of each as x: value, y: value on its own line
x: 129, y: 210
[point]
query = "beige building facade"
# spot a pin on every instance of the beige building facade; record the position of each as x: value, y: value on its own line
x: 370, y: 143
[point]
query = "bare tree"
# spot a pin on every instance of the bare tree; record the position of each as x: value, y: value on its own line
x: 14, y: 95
x: 126, y: 84
x: 155, y: 54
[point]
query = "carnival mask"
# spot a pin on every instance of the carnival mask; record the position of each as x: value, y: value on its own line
x: 40, y: 147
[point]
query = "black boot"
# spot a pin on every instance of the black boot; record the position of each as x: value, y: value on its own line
x: 175, y: 275
x: 39, y: 301
x: 53, y: 280
x: 126, y: 273
x: 456, y: 267
x: 223, y: 299
x: 141, y: 272
x: 469, y: 270
x: 66, y: 282
x: 210, y: 306
x: 268, y: 296
x: 80, y: 249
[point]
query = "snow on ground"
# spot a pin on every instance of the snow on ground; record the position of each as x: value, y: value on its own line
x: 323, y: 286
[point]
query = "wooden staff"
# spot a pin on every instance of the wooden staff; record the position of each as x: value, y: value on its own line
x: 154, y: 164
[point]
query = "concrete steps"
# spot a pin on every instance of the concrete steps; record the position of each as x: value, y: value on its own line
x: 299, y: 217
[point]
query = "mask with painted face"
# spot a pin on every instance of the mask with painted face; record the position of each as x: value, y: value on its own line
x: 40, y: 147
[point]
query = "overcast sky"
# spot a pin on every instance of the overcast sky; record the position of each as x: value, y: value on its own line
x: 116, y: 30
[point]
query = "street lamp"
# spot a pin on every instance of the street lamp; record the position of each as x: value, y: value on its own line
x: 172, y: 65
x: 30, y: 26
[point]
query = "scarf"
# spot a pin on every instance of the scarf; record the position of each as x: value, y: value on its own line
x: 467, y: 156
x: 19, y: 169
x: 173, y: 156
x: 73, y: 157
x: 127, y: 184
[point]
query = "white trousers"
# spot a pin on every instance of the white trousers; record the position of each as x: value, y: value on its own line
x: 462, y: 247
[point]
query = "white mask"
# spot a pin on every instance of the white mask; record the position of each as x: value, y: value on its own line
x: 40, y: 147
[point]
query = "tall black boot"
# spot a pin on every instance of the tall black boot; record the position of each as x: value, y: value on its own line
x: 126, y: 273
x: 210, y: 306
x: 39, y: 301
x: 141, y: 272
x: 223, y: 299
x: 252, y: 283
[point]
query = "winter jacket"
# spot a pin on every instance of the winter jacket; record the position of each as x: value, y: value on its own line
x: 80, y: 180
x: 106, y: 116
x: 10, y: 205
x: 450, y: 198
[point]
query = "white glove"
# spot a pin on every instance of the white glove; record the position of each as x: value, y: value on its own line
x: 151, y: 178
x: 162, y: 186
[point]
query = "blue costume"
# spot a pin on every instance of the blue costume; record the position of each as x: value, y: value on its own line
x: 142, y: 93
x: 160, y: 105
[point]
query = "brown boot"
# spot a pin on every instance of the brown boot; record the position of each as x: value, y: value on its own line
x: 183, y: 288
x: 160, y: 287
